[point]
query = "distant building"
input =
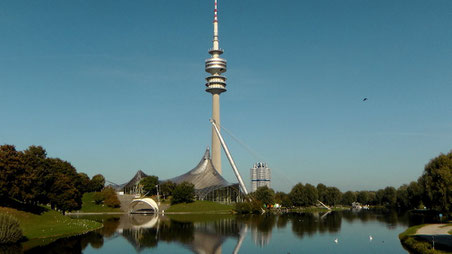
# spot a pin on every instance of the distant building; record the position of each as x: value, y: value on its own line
x: 133, y: 186
x: 260, y: 176
x: 209, y: 184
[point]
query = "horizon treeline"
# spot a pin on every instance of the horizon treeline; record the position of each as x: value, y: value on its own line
x: 433, y: 190
x: 32, y: 178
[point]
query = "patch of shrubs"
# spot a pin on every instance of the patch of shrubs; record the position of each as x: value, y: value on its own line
x: 417, y: 246
x: 253, y: 206
x: 108, y: 197
x: 10, y: 231
x: 183, y: 193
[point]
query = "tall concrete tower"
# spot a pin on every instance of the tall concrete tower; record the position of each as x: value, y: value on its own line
x: 216, y: 84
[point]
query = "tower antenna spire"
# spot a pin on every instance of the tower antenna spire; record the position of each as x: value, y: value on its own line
x: 215, y: 12
x: 216, y: 44
x: 216, y: 84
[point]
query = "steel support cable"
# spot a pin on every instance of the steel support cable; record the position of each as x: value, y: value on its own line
x: 256, y: 155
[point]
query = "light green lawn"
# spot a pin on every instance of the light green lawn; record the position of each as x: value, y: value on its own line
x: 49, y: 224
x: 200, y: 207
x: 89, y: 206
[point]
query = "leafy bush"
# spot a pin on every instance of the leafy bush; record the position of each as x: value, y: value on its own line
x: 10, y: 231
x: 108, y: 197
x: 253, y: 206
x: 183, y: 193
x: 112, y: 201
x: 149, y: 185
x: 416, y: 246
x: 98, y: 198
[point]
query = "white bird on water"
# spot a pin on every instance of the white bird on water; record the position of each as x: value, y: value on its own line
x: 336, y: 240
x: 370, y: 238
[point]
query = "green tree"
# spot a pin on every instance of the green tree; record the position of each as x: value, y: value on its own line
x: 322, y: 191
x: 348, y: 198
x: 83, y: 183
x: 97, y: 183
x: 296, y: 195
x: 279, y: 197
x: 63, y: 194
x: 372, y: 197
x: 167, y: 188
x: 265, y: 195
x: 149, y: 184
x: 303, y: 195
x: 110, y: 197
x: 403, y: 201
x: 311, y: 194
x: 389, y: 197
x: 436, y: 182
x: 379, y: 197
x: 283, y: 199
x: 183, y: 193
x: 363, y: 197
x: 415, y: 193
x: 333, y: 196
x: 38, y: 174
x: 12, y: 172
x: 98, y: 198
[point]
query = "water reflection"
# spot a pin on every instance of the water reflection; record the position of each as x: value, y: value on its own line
x: 208, y: 233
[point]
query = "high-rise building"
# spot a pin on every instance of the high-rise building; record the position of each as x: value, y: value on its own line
x: 260, y: 176
x: 216, y: 84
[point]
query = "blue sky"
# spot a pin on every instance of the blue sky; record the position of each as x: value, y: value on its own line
x: 118, y: 86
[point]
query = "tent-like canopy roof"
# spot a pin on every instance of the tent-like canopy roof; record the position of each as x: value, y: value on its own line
x: 204, y: 177
x: 136, y: 179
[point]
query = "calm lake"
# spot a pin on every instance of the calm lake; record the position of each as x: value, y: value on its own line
x: 356, y: 232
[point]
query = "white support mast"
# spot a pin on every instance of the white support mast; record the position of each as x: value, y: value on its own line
x: 231, y: 161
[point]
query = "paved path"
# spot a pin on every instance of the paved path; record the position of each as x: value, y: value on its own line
x: 434, y: 229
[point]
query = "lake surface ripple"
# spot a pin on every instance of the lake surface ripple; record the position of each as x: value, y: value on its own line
x: 333, y: 232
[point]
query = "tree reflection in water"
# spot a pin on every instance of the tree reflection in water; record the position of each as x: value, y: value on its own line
x: 207, y: 233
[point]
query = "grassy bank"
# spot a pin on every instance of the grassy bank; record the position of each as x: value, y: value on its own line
x: 316, y: 209
x: 200, y: 207
x: 44, y: 228
x: 199, y: 217
x: 416, y: 245
x: 89, y: 206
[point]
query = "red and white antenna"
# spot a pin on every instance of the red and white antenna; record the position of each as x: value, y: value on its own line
x: 215, y: 12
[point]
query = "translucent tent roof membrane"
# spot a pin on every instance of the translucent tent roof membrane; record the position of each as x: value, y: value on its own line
x: 204, y: 177
x: 135, y: 180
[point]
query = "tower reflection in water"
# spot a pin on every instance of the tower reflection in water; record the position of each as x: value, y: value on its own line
x: 205, y: 236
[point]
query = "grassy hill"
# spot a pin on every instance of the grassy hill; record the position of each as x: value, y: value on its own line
x: 49, y: 225
x: 89, y: 206
x: 200, y: 207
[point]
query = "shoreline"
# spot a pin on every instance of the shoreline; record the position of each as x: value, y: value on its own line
x: 49, y: 225
x: 422, y: 238
x: 45, y: 240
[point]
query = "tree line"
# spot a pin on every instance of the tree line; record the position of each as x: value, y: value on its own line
x: 178, y: 193
x: 32, y: 178
x: 432, y: 190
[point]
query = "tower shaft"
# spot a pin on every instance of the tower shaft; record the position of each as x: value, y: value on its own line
x: 216, y: 146
x: 216, y: 84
